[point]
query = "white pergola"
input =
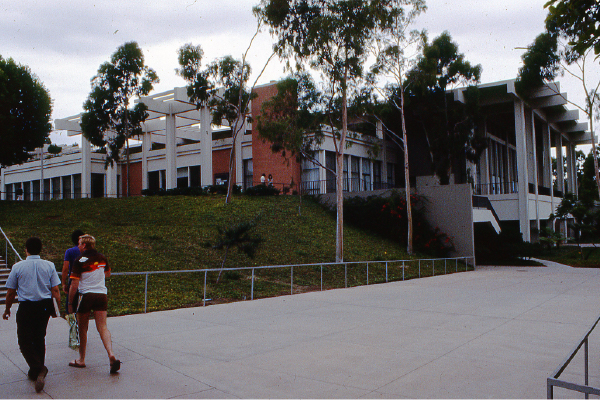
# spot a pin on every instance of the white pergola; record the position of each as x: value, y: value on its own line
x: 172, y: 118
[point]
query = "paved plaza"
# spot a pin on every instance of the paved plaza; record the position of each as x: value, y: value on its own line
x: 497, y: 332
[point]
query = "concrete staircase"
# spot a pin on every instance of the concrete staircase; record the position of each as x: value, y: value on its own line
x: 4, y: 271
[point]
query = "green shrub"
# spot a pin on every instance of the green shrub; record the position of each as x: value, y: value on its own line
x: 262, y: 190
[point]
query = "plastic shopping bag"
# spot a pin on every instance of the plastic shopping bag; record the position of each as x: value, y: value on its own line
x: 73, y: 331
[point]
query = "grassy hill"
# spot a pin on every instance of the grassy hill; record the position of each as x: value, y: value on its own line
x: 172, y: 233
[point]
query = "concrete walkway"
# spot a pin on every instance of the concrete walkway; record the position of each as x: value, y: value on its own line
x: 498, y: 332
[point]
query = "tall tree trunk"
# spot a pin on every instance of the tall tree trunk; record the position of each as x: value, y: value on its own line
x: 339, y: 190
x: 409, y: 244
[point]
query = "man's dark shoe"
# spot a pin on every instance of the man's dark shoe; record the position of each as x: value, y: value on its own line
x: 41, y: 379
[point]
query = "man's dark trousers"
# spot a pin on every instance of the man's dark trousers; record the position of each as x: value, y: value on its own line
x: 32, y: 322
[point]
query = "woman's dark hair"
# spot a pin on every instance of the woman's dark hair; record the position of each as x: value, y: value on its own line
x: 75, y: 236
x: 33, y: 246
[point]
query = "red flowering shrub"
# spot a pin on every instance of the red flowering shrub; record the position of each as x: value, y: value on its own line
x: 388, y: 218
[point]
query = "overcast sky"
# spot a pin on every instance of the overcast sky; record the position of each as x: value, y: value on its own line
x: 65, y: 41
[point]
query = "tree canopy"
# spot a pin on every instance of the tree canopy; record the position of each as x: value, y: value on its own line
x: 25, y: 110
x: 107, y: 108
x: 577, y: 20
x: 223, y: 87
x: 448, y: 126
x: 333, y: 37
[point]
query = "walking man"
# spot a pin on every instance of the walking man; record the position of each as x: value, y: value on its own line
x: 88, y: 276
x: 36, y: 282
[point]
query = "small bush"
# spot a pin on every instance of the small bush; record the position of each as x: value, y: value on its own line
x: 261, y: 190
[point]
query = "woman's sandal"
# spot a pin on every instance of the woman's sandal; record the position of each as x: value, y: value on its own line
x: 114, y: 366
x: 75, y: 364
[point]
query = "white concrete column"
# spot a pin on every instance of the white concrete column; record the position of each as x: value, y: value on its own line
x: 560, y: 173
x: 322, y: 172
x: 549, y: 168
x: 146, y: 147
x: 522, y: 169
x: 111, y: 180
x: 571, y: 168
x: 3, y: 182
x: 206, y: 163
x: 86, y: 168
x: 171, y: 149
x: 535, y: 172
x: 381, y: 137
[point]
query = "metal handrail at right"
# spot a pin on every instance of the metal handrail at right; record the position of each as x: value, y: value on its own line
x: 554, y: 381
x: 7, y: 244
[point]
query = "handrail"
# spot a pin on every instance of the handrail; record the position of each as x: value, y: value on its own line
x: 8, y: 242
x: 554, y: 380
x: 291, y: 266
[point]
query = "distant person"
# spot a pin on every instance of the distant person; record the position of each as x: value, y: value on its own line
x: 263, y: 179
x: 36, y: 282
x: 88, y: 277
x: 270, y: 180
x: 71, y: 255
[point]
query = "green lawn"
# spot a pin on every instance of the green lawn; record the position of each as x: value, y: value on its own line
x: 170, y: 233
x: 586, y: 257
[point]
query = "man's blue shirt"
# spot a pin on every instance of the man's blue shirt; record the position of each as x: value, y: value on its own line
x: 33, y: 278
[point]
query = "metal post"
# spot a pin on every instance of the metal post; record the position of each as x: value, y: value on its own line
x: 456, y: 259
x: 402, y: 270
x: 252, y: 290
x: 587, y: 395
x: 386, y: 272
x: 346, y: 275
x: 549, y: 391
x: 204, y: 298
x: 292, y: 282
x: 367, y: 274
x: 146, y: 295
x: 321, y: 277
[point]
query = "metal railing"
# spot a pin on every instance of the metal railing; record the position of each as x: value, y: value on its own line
x: 349, y: 185
x: 447, y: 262
x: 554, y: 381
x: 7, y: 244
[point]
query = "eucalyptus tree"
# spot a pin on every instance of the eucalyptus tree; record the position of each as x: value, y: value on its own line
x: 332, y: 37
x: 570, y: 46
x: 223, y: 86
x: 449, y: 127
x: 108, y: 121
x: 25, y: 109
x: 396, y: 50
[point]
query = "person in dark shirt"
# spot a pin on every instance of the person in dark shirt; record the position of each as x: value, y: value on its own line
x: 71, y: 255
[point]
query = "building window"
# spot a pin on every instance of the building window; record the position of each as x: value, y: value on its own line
x: 97, y: 185
x: 366, y: 174
x: 330, y: 176
x: 36, y: 190
x: 66, y: 187
x: 9, y: 192
x: 222, y: 178
x: 56, y: 187
x: 182, y: 177
x: 248, y: 174
x: 26, y: 191
x: 345, y: 184
x: 310, y: 177
x: 47, y: 189
x: 377, y: 175
x: 195, y: 176
x: 391, y: 181
x: 77, y: 186
x: 355, y: 174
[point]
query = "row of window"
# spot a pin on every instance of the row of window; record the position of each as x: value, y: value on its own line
x: 59, y: 187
